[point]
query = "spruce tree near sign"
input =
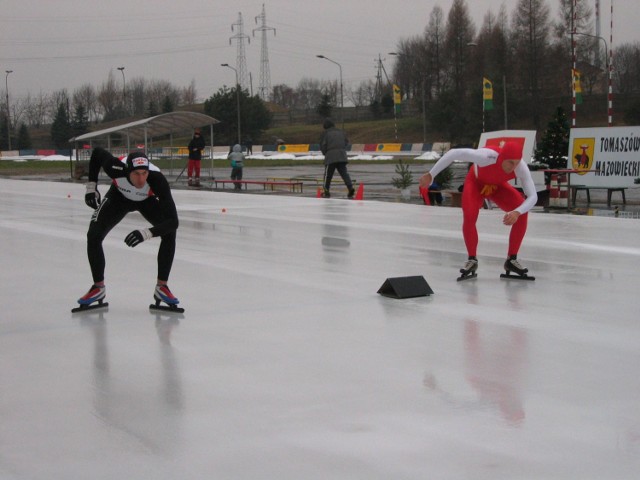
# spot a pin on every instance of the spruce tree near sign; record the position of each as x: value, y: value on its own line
x: 553, y: 148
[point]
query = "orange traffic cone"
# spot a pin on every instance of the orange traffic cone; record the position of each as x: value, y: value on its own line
x: 425, y: 195
x: 360, y: 192
x: 319, y: 193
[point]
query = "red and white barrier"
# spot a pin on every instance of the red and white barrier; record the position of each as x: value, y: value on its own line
x: 554, y: 192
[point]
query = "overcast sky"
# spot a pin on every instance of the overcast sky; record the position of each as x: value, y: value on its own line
x: 56, y: 44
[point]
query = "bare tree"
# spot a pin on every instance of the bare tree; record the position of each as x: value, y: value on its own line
x: 87, y: 97
x: 364, y: 94
x: 159, y: 91
x: 626, y: 68
x: 530, y: 30
x: 137, y: 95
x: 37, y: 110
x: 283, y: 95
x: 492, y: 60
x: 576, y: 16
x: 189, y: 94
x: 460, y: 32
x: 434, y: 39
x: 110, y: 98
x: 410, y: 66
x: 308, y: 94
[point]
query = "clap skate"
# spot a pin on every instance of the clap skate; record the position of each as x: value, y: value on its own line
x: 469, y: 270
x: 514, y: 270
x: 163, y: 294
x: 91, y: 300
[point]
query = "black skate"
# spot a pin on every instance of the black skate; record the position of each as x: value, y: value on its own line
x: 86, y: 308
x: 469, y: 270
x: 514, y: 270
x: 169, y: 307
x: 92, y: 300
x: 162, y: 295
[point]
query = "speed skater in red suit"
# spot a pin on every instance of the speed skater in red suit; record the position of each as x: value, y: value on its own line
x: 489, y: 174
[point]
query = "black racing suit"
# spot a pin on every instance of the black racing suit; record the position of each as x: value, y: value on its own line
x: 153, y: 201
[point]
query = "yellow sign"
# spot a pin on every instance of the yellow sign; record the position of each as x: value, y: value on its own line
x: 397, y: 98
x: 294, y: 148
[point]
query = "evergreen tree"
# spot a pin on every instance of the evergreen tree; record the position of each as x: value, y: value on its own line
x: 24, y: 139
x: 632, y: 113
x: 387, y: 104
x: 152, y: 109
x: 376, y: 109
x: 324, y: 108
x: 4, y: 141
x: 167, y: 105
x: 80, y: 121
x: 553, y: 148
x: 61, y: 130
x: 255, y: 118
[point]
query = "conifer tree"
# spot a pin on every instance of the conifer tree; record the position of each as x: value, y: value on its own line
x: 553, y: 148
x: 61, y: 130
x: 24, y: 139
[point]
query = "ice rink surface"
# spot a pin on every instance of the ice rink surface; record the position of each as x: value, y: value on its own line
x: 288, y: 365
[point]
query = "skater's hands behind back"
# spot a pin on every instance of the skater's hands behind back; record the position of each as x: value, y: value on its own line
x: 92, y: 195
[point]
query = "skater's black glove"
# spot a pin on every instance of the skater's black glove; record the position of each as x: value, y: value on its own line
x: 137, y: 237
x: 92, y: 196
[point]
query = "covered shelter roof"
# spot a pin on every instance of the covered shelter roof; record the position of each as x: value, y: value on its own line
x: 150, y: 127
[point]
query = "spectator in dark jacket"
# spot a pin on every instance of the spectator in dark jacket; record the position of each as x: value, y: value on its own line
x: 333, y: 144
x: 196, y: 146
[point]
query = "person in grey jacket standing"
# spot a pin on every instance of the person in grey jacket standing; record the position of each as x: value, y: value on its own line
x: 237, y: 164
x: 333, y: 144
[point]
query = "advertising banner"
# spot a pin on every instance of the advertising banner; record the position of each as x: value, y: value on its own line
x: 605, y: 157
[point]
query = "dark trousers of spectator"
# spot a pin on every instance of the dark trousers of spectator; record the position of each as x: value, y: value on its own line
x: 236, y: 174
x: 342, y: 170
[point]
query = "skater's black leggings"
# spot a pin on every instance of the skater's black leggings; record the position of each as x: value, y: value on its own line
x: 110, y: 212
x: 342, y: 170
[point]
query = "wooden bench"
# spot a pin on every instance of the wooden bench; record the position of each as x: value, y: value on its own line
x: 294, y: 186
x: 309, y: 179
x: 455, y: 195
x: 610, y: 190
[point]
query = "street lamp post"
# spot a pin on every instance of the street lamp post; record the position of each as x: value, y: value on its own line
x: 6, y: 84
x: 237, y: 98
x: 341, y: 89
x: 423, y: 93
x: 124, y: 90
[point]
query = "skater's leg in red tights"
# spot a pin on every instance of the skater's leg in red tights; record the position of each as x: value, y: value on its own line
x: 508, y: 199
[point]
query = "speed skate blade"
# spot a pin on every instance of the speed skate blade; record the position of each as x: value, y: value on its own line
x: 514, y: 276
x: 88, y: 308
x: 467, y: 277
x: 166, y: 308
